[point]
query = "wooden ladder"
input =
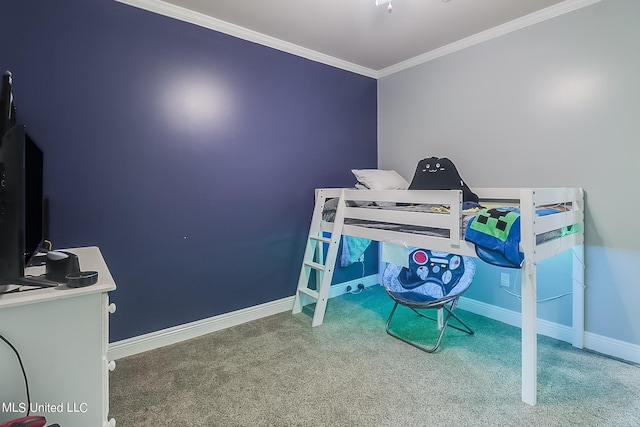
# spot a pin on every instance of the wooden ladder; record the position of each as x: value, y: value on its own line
x: 314, y: 260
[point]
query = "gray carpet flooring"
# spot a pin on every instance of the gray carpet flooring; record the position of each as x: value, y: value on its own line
x: 279, y: 371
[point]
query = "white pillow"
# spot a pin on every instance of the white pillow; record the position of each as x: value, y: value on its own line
x: 378, y: 179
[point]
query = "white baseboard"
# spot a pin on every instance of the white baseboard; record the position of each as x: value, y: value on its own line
x: 601, y: 344
x: 513, y: 318
x: 129, y: 347
x: 176, y: 334
x: 611, y: 347
x: 352, y: 285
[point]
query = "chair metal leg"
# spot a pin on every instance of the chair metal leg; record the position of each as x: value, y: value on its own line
x: 465, y: 328
x: 418, y: 346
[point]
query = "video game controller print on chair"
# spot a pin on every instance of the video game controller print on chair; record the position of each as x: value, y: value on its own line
x: 432, y: 280
x: 431, y: 276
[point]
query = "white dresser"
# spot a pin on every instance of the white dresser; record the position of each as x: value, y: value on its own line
x: 62, y: 336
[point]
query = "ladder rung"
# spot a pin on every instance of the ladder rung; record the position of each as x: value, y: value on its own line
x: 321, y: 239
x: 315, y: 265
x: 310, y: 292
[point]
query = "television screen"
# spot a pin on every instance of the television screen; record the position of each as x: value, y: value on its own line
x: 21, y: 191
x: 33, y: 199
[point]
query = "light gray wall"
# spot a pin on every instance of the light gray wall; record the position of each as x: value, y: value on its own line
x: 555, y: 104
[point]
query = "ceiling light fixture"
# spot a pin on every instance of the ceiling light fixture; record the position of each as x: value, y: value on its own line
x: 389, y: 7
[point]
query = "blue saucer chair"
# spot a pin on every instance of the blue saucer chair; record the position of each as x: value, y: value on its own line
x: 433, y: 280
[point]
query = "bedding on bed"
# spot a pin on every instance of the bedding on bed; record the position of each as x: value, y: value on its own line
x: 467, y: 214
x: 495, y: 232
x: 496, y: 236
x: 353, y: 248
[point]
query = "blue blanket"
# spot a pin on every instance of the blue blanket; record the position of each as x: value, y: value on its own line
x: 496, y: 235
x: 353, y: 249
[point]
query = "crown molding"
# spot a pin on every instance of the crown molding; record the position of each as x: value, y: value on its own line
x: 162, y: 8
x: 492, y: 33
x: 196, y: 18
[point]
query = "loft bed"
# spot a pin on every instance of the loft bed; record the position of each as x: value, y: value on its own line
x: 435, y: 219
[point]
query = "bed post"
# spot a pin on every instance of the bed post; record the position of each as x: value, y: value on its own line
x: 578, y: 296
x: 529, y: 305
x: 578, y: 276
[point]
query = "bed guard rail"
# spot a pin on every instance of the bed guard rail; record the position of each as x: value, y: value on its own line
x: 449, y: 219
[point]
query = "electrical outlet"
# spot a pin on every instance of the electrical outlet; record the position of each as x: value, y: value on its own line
x: 504, y: 280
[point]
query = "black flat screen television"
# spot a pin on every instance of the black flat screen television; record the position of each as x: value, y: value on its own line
x: 21, y: 191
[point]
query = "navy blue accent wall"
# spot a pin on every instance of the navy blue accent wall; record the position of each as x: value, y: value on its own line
x: 188, y: 156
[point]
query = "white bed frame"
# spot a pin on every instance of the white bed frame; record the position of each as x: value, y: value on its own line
x: 528, y: 199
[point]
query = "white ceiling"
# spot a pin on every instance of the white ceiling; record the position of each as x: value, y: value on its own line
x: 359, y: 36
